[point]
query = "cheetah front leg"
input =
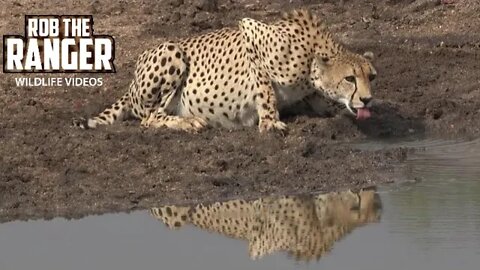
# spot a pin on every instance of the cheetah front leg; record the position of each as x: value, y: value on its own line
x: 266, y: 102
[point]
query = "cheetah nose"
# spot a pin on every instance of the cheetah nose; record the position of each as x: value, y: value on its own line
x: 366, y: 100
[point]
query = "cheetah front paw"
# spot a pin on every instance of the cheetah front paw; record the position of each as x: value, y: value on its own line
x: 272, y: 125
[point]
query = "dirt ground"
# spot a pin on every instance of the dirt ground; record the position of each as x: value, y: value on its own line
x: 428, y: 85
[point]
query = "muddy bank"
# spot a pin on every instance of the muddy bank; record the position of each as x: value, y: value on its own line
x: 427, y: 56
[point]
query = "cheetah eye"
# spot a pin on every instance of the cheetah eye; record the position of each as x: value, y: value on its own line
x: 350, y: 79
x: 372, y: 77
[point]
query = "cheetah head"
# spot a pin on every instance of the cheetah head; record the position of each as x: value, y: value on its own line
x: 364, y: 206
x: 346, y: 78
x: 353, y: 208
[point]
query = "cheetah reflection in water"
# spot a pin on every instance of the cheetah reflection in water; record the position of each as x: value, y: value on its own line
x: 306, y: 226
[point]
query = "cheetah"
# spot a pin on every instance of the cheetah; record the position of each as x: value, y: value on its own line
x: 242, y: 77
x: 304, y: 226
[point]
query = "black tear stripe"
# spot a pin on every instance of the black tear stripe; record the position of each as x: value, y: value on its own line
x: 351, y: 98
x: 356, y: 88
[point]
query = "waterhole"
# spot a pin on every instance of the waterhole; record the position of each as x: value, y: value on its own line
x: 433, y: 223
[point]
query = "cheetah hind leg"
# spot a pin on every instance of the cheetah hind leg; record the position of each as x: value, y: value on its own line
x: 157, y: 91
x: 156, y: 116
x: 189, y: 124
x: 115, y: 112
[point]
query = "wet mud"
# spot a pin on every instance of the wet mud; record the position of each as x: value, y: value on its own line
x: 428, y: 85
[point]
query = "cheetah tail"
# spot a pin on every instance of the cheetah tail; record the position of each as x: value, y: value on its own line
x: 115, y: 112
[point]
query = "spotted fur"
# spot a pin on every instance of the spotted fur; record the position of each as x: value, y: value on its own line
x: 304, y: 226
x: 241, y: 77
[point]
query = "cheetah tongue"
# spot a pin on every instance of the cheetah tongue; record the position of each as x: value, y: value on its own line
x: 363, y: 113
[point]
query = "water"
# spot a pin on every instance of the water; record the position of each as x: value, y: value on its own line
x: 433, y: 224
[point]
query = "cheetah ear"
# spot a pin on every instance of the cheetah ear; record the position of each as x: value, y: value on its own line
x: 368, y: 55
